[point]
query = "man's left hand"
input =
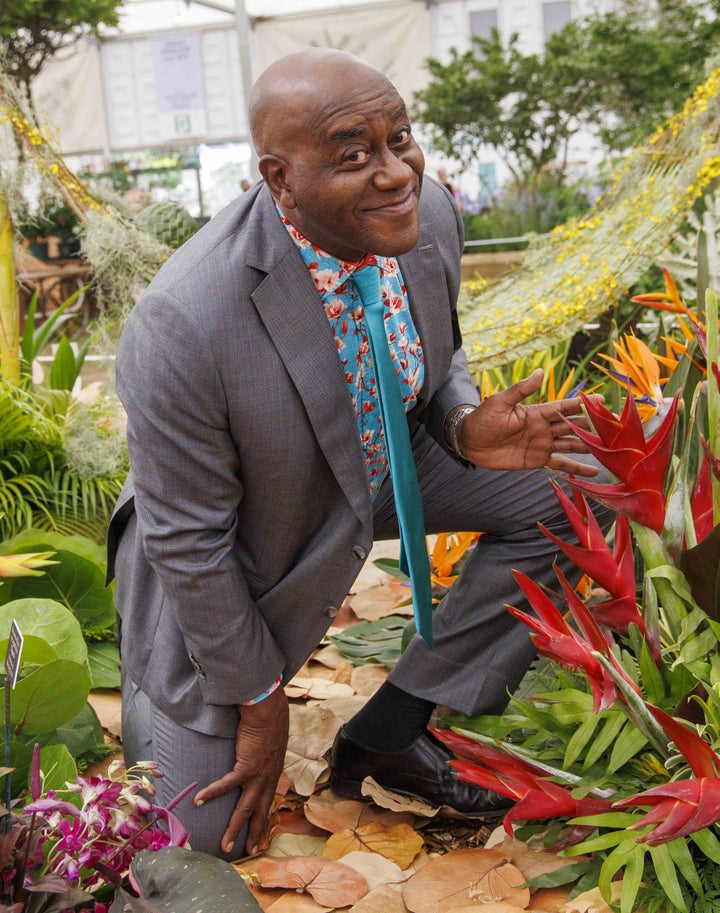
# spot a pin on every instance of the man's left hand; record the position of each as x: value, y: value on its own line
x: 502, y: 433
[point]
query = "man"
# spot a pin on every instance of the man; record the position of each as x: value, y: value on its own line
x: 259, y: 479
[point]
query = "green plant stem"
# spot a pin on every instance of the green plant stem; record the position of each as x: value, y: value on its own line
x: 9, y: 305
x: 713, y: 394
x: 635, y: 709
x: 654, y: 555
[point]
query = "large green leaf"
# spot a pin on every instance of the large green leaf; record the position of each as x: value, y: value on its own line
x: 57, y: 767
x: 28, y: 540
x: 50, y: 696
x: 36, y: 651
x: 82, y: 733
x: 77, y: 580
x: 177, y: 880
x: 49, y: 620
x: 104, y: 658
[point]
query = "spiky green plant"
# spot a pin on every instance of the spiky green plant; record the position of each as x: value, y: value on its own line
x: 41, y: 484
x: 168, y: 222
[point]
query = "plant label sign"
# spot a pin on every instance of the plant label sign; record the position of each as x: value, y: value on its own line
x: 12, y: 657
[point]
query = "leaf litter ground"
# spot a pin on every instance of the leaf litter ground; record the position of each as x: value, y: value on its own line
x: 322, y: 853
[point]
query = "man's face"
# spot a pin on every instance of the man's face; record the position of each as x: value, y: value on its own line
x: 352, y: 176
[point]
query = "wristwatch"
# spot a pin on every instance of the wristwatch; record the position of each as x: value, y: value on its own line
x: 451, y: 429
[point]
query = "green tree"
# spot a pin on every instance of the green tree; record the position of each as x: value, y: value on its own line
x: 32, y: 31
x: 526, y: 107
x: 645, y: 61
x: 621, y: 72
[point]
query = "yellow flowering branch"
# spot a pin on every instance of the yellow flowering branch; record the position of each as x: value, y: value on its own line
x: 583, y: 267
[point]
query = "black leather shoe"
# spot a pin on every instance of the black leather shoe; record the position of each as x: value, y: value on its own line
x: 419, y: 771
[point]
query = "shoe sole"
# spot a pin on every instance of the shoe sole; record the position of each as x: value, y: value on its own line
x: 351, y: 789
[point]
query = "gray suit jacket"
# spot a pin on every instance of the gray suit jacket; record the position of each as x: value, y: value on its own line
x: 247, y: 516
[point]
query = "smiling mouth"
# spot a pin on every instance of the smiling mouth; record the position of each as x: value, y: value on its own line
x: 398, y: 207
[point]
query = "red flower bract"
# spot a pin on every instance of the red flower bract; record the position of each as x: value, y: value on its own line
x: 678, y: 808
x: 641, y: 465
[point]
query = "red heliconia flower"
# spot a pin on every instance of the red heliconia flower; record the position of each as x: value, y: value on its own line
x: 555, y: 638
x: 613, y: 571
x: 537, y: 798
x: 619, y: 444
x: 703, y: 761
x: 682, y: 806
x: 679, y: 808
x: 701, y: 502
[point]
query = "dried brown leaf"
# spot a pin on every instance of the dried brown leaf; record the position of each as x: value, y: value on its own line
x: 592, y: 901
x: 368, y: 678
x: 329, y: 882
x: 376, y: 869
x: 332, y: 814
x: 285, y: 845
x: 464, y: 878
x: 290, y: 902
x: 549, y: 900
x: 534, y: 859
x: 381, y: 899
x: 328, y: 655
x: 377, y: 601
x: 394, y: 801
x: 312, y: 731
x: 344, y: 708
x: 317, y: 687
x: 400, y: 843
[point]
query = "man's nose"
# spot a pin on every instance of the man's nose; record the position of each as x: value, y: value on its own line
x: 392, y: 171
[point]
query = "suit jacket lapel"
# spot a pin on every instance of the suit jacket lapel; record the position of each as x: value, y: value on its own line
x: 422, y: 271
x: 290, y: 309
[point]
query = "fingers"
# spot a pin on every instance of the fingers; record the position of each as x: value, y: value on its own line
x: 226, y: 784
x: 522, y: 389
x: 243, y: 812
x: 559, y: 462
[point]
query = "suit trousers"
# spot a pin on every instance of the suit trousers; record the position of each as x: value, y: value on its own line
x: 481, y: 652
x: 183, y: 756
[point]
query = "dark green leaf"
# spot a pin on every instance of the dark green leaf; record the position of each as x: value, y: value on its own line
x: 176, y: 880
x: 50, y: 696
x: 82, y: 733
x: 104, y: 659
x: 701, y: 566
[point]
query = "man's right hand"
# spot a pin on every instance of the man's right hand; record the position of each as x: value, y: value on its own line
x: 260, y: 745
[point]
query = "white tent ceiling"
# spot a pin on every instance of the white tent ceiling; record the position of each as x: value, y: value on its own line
x: 150, y: 15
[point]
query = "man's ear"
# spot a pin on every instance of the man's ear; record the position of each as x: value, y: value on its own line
x: 275, y: 172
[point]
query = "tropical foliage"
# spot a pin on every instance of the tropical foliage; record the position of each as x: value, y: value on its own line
x: 617, y: 740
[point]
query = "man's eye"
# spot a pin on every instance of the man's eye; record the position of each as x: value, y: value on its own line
x: 357, y: 156
x: 402, y: 136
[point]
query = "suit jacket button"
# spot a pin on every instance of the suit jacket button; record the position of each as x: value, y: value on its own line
x: 197, y: 667
x: 331, y: 611
x: 359, y: 552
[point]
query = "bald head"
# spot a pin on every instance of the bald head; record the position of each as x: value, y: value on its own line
x: 335, y: 148
x: 294, y: 91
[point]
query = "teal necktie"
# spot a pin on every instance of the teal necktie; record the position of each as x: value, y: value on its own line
x: 408, y: 503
